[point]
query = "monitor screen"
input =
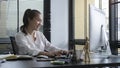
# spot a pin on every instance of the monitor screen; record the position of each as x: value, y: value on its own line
x: 97, y: 33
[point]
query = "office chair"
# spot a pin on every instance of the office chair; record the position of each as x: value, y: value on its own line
x: 14, y: 45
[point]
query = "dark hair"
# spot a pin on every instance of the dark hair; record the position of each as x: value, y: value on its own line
x: 29, y: 14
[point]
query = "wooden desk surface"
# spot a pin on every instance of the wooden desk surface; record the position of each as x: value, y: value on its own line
x: 95, y: 62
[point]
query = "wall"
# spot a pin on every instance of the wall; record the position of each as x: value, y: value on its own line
x: 79, y: 19
x: 59, y: 23
x: 82, y: 17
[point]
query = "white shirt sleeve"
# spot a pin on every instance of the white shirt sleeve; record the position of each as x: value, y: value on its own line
x: 48, y: 45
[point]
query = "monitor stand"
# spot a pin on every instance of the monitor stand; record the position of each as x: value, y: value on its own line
x: 105, y: 48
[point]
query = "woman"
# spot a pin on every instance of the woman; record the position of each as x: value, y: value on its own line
x: 31, y: 41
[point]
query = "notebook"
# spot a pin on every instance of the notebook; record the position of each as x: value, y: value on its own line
x: 15, y: 57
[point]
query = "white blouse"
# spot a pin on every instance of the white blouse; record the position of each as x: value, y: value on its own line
x: 27, y: 45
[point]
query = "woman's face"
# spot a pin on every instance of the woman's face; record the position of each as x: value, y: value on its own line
x: 36, y: 22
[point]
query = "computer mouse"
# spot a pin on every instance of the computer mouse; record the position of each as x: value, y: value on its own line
x: 42, y: 56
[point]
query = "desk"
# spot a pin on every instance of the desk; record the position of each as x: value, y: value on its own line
x: 95, y: 62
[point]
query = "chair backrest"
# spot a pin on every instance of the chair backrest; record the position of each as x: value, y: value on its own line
x: 14, y: 45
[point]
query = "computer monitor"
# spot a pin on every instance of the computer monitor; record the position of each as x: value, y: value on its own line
x: 97, y: 33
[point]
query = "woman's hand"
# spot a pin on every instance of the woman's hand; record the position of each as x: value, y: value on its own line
x: 57, y: 53
x: 61, y: 52
x: 50, y: 54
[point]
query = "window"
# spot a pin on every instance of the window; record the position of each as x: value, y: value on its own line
x: 119, y: 21
x: 114, y: 25
x: 104, y: 5
x: 8, y: 18
x: 105, y: 8
x: 11, y: 14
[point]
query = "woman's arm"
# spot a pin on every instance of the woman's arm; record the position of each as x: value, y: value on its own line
x: 52, y: 50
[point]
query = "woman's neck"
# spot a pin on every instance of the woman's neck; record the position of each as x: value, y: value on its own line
x: 30, y: 31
